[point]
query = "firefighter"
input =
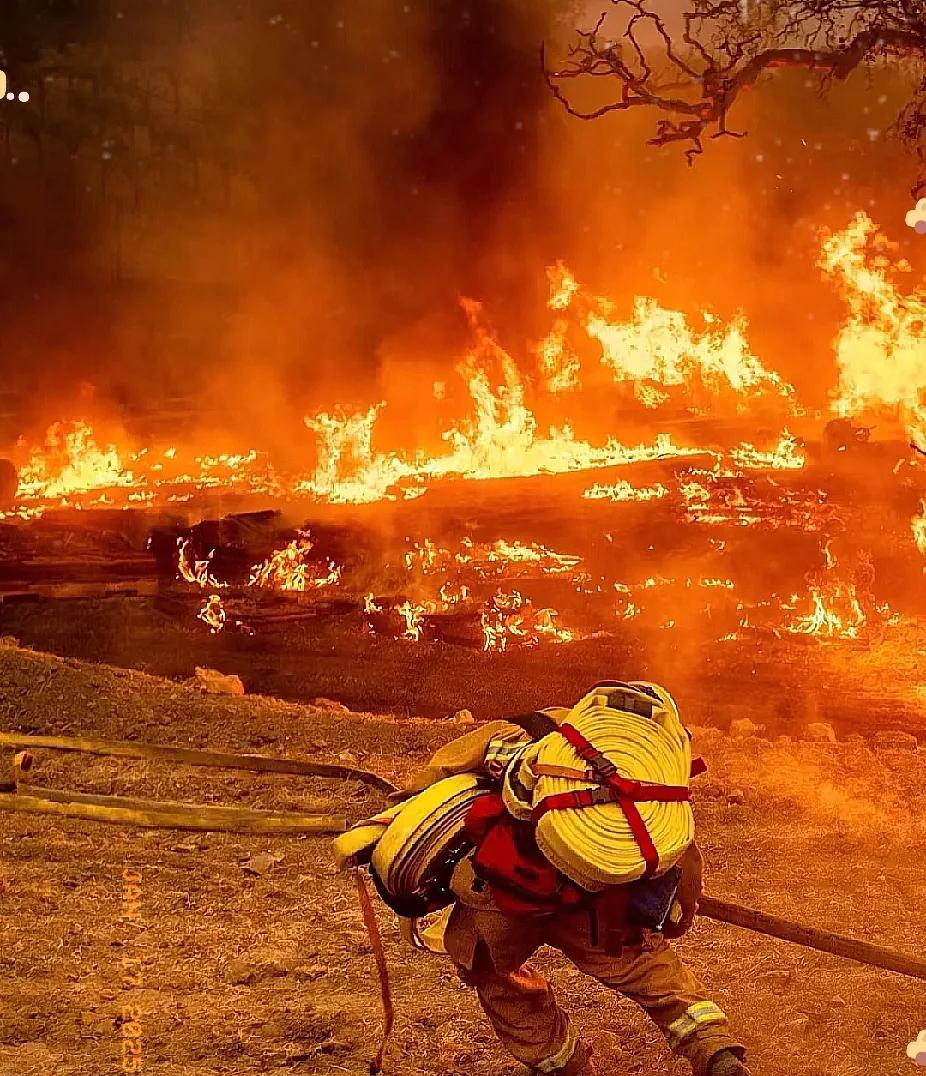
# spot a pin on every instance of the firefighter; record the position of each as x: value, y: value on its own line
x: 494, y: 929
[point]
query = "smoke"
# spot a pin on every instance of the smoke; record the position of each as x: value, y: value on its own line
x: 239, y: 212
x: 309, y: 188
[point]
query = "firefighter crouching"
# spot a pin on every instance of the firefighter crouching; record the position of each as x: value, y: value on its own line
x: 569, y: 828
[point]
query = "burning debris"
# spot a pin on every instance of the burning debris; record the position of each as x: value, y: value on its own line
x: 625, y: 491
x: 721, y: 490
x: 213, y: 614
x: 290, y: 569
x: 193, y: 570
x: 510, y: 620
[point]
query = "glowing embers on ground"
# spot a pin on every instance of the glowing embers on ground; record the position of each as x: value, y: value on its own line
x: 290, y: 568
x: 510, y: 594
x: 722, y: 495
x: 625, y: 491
x: 718, y: 498
x: 485, y: 559
x: 452, y: 583
x: 509, y: 618
x: 505, y: 618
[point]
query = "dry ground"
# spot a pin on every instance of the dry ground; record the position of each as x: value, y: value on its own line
x: 781, y: 683
x: 270, y: 973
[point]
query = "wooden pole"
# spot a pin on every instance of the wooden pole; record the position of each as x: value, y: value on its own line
x: 811, y: 938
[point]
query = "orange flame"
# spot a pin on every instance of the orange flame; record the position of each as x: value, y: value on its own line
x: 71, y: 462
x: 290, y: 569
x: 213, y: 614
x: 195, y: 571
x: 881, y: 348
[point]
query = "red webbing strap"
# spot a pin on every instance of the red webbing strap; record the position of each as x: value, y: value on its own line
x: 620, y: 790
x: 587, y: 751
x: 376, y: 943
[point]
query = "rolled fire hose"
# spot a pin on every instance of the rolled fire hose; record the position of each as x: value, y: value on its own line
x: 594, y: 846
x: 403, y: 845
x: 422, y: 831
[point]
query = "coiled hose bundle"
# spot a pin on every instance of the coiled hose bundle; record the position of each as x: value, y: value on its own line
x: 598, y: 844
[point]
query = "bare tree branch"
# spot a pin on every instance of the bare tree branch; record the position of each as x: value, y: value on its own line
x: 723, y: 50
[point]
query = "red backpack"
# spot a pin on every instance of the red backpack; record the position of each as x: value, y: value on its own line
x: 508, y: 860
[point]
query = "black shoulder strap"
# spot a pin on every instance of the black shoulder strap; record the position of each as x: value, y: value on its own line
x: 536, y: 724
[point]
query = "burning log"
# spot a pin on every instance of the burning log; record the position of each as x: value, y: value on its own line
x: 238, y: 540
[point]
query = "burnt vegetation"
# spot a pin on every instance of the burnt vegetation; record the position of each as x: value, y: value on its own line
x: 692, y: 68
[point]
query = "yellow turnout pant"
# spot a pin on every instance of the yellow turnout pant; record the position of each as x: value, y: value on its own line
x: 491, y: 950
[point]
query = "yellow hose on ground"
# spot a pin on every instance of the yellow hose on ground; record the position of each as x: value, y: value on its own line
x: 594, y: 846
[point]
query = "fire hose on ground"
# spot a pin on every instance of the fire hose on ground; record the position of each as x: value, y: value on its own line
x: 99, y: 808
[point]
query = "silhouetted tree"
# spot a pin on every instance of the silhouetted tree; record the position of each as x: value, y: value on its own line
x: 692, y: 66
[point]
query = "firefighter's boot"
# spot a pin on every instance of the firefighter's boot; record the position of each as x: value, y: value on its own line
x: 580, y: 1064
x: 726, y: 1063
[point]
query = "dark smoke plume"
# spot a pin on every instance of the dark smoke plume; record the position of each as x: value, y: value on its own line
x: 249, y: 201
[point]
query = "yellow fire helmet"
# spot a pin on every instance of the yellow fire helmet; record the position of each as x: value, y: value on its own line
x: 609, y: 791
x: 416, y: 848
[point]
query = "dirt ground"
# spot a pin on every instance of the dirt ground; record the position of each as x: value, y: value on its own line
x: 250, y: 965
x: 779, y: 683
